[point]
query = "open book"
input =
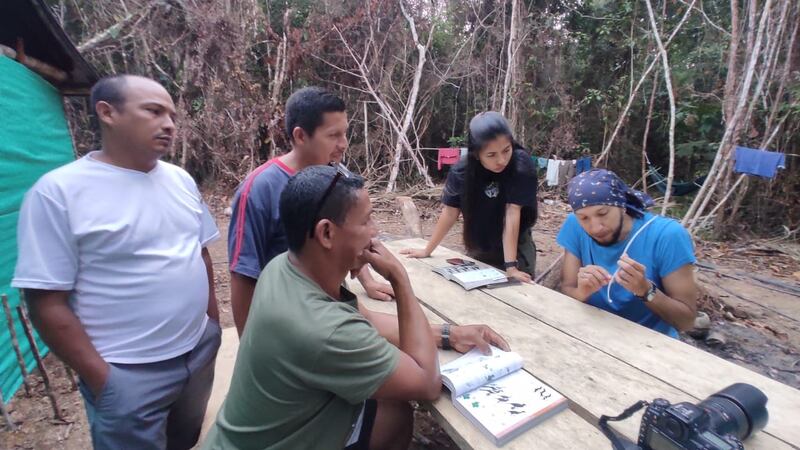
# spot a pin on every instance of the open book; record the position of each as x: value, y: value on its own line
x: 497, y: 396
x: 471, y: 276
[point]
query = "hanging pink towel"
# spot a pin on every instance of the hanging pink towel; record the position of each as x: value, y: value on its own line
x: 448, y: 156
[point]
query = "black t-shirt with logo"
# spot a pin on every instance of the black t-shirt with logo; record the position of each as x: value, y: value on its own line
x: 516, y: 185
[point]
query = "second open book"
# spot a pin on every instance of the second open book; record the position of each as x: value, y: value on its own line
x: 497, y: 396
x: 470, y: 275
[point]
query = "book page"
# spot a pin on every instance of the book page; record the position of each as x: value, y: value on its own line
x: 449, y: 271
x: 475, y: 369
x: 510, y: 404
x: 479, y: 276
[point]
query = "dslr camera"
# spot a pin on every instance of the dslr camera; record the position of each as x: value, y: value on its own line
x: 720, y: 422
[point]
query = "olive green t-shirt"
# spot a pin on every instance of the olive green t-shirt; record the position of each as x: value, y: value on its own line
x: 306, y: 364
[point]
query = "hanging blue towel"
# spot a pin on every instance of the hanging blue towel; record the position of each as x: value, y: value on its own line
x: 583, y: 165
x: 759, y: 162
x: 542, y: 162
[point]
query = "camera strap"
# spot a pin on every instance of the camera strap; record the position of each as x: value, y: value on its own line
x: 603, y: 423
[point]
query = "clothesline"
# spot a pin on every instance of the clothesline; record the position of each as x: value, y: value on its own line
x: 560, y: 171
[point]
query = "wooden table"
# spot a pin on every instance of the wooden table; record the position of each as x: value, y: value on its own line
x: 602, y: 363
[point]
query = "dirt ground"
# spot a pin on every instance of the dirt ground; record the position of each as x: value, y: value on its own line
x: 751, y: 292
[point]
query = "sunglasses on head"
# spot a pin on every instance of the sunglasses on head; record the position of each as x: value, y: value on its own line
x: 341, y: 172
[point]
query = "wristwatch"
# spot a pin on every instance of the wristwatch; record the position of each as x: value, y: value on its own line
x: 446, y: 337
x: 509, y: 264
x: 651, y: 293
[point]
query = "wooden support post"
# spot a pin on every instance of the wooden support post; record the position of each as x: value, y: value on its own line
x: 11, y: 425
x: 410, y: 216
x: 15, y: 344
x: 547, y: 271
x: 26, y: 325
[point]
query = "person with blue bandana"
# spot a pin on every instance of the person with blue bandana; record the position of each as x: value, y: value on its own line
x: 625, y: 260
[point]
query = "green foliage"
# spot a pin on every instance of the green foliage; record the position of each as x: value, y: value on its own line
x: 457, y: 141
x: 576, y: 65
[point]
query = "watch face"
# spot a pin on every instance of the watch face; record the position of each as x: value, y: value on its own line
x: 651, y: 294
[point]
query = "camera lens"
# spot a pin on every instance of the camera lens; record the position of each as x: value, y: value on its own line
x: 739, y: 409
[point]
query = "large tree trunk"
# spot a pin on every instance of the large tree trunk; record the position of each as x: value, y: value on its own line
x: 724, y: 152
x: 729, y: 93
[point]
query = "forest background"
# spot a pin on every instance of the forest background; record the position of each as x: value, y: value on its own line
x: 677, y: 82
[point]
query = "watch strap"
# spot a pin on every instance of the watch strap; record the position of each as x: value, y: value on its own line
x: 510, y: 264
x: 651, y: 293
x: 446, y: 337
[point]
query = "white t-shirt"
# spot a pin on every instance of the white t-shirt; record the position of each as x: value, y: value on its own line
x: 127, y: 244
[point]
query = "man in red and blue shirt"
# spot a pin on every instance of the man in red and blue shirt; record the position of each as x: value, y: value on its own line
x: 316, y: 125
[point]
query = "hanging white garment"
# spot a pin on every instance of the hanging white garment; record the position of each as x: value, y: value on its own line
x: 552, y: 172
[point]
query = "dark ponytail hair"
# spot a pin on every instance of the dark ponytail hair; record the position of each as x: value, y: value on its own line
x: 483, y: 128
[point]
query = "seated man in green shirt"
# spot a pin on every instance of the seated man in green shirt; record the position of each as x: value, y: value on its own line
x: 315, y: 369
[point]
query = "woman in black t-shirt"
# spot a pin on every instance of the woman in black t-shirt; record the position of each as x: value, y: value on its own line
x: 495, y: 188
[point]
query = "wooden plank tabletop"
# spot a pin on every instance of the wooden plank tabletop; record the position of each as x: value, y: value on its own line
x: 601, y: 362
x: 566, y: 430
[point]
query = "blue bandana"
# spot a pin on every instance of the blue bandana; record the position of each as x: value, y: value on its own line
x: 603, y: 187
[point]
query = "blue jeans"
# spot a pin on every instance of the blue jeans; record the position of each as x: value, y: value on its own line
x: 157, y: 405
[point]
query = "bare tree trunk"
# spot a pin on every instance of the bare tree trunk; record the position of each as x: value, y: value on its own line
x: 722, y: 202
x: 784, y: 76
x: 724, y: 186
x: 511, y: 55
x: 410, y: 105
x: 624, y: 115
x: 729, y: 93
x: 668, y: 81
x: 656, y: 81
x: 772, y: 42
x: 388, y: 113
x: 724, y: 153
x: 366, y: 140
x: 737, y: 202
x: 109, y: 33
x: 277, y: 82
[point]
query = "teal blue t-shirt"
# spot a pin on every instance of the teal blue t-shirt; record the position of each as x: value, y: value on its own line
x: 663, y: 247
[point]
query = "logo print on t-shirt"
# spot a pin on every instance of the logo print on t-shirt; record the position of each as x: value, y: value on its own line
x: 492, y: 189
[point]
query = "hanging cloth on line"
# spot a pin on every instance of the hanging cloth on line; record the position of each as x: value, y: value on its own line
x: 566, y: 170
x: 447, y: 156
x: 759, y: 162
x: 542, y: 162
x: 583, y: 165
x: 552, y: 172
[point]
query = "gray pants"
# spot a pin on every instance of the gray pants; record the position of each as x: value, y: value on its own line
x: 156, y: 405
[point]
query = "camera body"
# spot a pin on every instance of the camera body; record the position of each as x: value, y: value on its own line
x: 684, y: 426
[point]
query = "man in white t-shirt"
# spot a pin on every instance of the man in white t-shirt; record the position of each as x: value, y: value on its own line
x: 119, y: 283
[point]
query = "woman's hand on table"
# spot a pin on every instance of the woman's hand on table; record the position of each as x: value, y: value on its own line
x: 518, y: 275
x: 415, y: 252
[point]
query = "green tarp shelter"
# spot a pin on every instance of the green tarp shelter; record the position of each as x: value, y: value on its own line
x: 34, y: 139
